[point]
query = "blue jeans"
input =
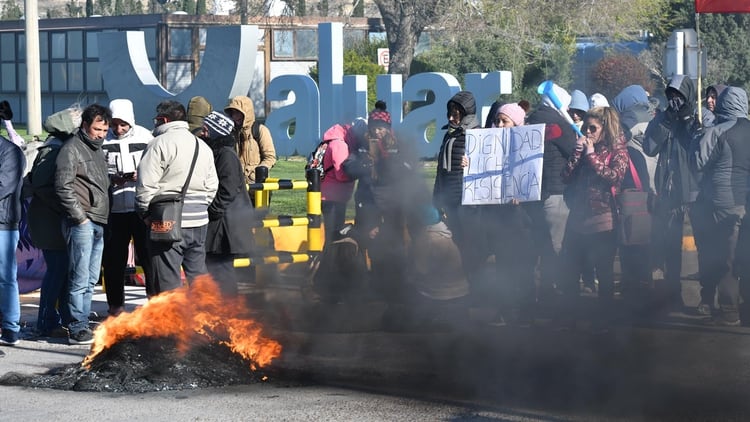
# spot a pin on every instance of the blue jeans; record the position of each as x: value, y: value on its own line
x: 53, y: 298
x: 10, y: 305
x: 85, y: 246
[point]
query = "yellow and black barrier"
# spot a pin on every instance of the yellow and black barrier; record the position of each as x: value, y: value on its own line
x: 261, y: 190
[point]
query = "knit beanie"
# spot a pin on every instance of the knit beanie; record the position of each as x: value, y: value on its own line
x: 599, y: 100
x: 198, y: 108
x: 218, y: 125
x: 379, y: 118
x: 514, y: 111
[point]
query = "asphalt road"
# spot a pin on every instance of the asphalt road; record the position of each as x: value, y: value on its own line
x: 669, y: 367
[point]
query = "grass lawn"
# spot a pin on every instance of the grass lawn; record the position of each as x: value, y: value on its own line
x: 292, y: 202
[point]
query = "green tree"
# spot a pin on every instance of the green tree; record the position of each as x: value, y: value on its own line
x: 724, y: 39
x: 189, y: 7
x: 119, y: 8
x: 89, y: 7
x: 200, y: 7
x: 11, y: 10
x: 362, y: 59
x: 404, y: 21
x: 359, y: 9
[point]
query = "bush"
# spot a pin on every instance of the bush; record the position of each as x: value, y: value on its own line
x: 615, y: 72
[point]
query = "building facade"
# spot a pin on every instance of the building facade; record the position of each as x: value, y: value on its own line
x: 69, y: 53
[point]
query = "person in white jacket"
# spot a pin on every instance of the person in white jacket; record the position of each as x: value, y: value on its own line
x: 164, y: 169
x: 124, y: 146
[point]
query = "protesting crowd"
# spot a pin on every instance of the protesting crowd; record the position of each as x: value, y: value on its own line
x: 620, y: 178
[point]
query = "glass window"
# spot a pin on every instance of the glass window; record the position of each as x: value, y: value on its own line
x: 22, y: 76
x: 75, y: 76
x: 57, y: 45
x: 353, y: 37
x: 92, y: 45
x: 8, y: 47
x: 43, y: 43
x: 44, y: 79
x: 59, y: 71
x: 21, y: 46
x: 8, y: 81
x: 180, y: 42
x: 93, y: 77
x: 283, y: 43
x: 202, y: 37
x: 75, y: 45
x: 179, y: 76
x: 306, y: 46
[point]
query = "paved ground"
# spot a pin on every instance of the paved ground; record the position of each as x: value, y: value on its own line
x: 339, y: 363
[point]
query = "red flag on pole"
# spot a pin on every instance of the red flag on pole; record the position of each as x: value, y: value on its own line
x: 722, y: 6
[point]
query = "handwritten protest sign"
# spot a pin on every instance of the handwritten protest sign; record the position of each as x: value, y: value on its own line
x: 504, y: 164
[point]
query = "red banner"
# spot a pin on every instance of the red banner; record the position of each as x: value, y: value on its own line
x: 722, y: 6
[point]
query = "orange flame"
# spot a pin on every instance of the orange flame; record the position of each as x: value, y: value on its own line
x: 186, y: 313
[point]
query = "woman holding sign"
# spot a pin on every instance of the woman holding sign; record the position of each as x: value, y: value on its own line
x: 510, y: 240
x: 594, y: 172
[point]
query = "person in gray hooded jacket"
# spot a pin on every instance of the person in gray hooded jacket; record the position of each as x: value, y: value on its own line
x: 722, y: 155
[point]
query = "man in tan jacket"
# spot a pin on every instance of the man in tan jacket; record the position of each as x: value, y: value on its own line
x: 254, y: 142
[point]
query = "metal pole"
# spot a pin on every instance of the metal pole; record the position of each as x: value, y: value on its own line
x: 700, y: 59
x: 33, y: 81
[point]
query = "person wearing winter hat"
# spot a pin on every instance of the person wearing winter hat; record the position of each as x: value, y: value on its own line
x: 509, y: 115
x: 198, y: 108
x: 549, y: 216
x: 513, y: 290
x: 598, y: 100
x: 382, y: 212
x: 230, y: 214
x: 123, y: 148
x: 578, y: 107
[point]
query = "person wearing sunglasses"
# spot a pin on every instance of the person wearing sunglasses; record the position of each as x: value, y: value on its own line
x: 596, y: 168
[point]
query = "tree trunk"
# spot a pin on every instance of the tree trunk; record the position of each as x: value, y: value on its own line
x: 404, y: 22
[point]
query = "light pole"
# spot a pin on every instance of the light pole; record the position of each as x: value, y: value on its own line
x: 33, y: 83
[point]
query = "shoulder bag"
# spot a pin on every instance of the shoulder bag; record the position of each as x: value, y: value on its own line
x: 632, y: 216
x: 165, y: 211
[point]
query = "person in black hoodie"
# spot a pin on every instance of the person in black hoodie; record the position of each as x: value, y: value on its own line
x: 448, y: 189
x: 230, y: 214
x: 669, y: 136
x: 550, y: 215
